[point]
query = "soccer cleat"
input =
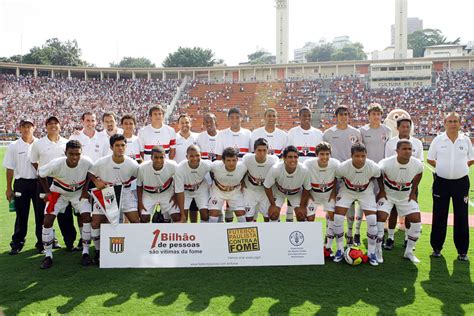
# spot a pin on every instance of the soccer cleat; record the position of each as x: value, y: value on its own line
x: 40, y: 249
x: 97, y: 257
x: 47, y: 263
x: 410, y: 256
x: 436, y: 254
x: 405, y: 245
x: 463, y: 257
x: 373, y: 260
x: 388, y: 244
x: 357, y: 239
x: 56, y: 244
x: 14, y: 251
x: 86, y: 260
x: 339, y: 256
x: 349, y: 241
x: 328, y: 253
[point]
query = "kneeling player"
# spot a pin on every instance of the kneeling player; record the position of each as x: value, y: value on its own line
x: 287, y: 180
x: 191, y: 183
x: 227, y: 175
x: 69, y: 176
x: 322, y: 176
x: 356, y: 174
x: 155, y: 186
x: 258, y: 165
x: 398, y: 184
x: 114, y: 170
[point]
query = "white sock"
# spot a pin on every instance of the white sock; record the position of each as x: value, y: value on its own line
x: 339, y: 231
x: 391, y: 233
x: 414, y: 233
x: 350, y: 220
x: 371, y: 232
x: 329, y: 233
x: 241, y: 219
x: 86, y: 237
x: 380, y: 233
x: 406, y: 233
x: 95, y: 235
x: 213, y: 219
x: 48, y: 240
x: 220, y: 219
x: 358, y: 219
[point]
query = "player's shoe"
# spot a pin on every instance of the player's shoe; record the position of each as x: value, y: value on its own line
x: 97, y: 257
x: 405, y: 245
x: 357, y: 239
x: 410, y: 256
x: 47, y: 263
x: 86, y: 260
x: 373, y: 259
x: 349, y: 241
x: 463, y: 257
x: 339, y: 256
x: 328, y: 253
x: 388, y: 244
x: 436, y: 254
x: 56, y: 244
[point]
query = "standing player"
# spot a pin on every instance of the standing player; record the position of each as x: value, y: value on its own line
x: 155, y: 186
x: 341, y: 137
x: 374, y: 136
x: 191, y: 185
x: 276, y: 138
x: 19, y: 168
x: 398, y: 185
x: 258, y: 165
x: 114, y: 170
x: 207, y: 140
x: 357, y: 174
x: 227, y: 175
x: 287, y: 179
x: 69, y: 186
x: 184, y: 138
x: 109, y: 123
x: 157, y: 134
x: 129, y: 124
x: 322, y: 176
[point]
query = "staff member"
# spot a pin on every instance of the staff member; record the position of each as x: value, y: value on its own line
x: 24, y: 188
x: 451, y: 155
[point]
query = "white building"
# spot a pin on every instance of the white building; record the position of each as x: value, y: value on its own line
x: 300, y: 53
x: 388, y: 53
x: 340, y: 41
x: 446, y: 50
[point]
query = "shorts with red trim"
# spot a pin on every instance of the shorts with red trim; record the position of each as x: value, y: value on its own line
x: 404, y: 208
x: 234, y: 199
x: 280, y: 198
x: 200, y: 196
x: 151, y: 200
x: 366, y: 199
x: 256, y: 201
x: 57, y: 203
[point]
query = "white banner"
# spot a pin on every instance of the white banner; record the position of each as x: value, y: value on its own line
x: 207, y: 245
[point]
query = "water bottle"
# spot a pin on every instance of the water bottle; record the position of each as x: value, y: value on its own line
x: 11, y: 205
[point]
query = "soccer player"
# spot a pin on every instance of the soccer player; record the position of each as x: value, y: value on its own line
x: 69, y: 176
x: 190, y: 183
x: 157, y: 133
x: 114, y: 170
x: 287, y: 179
x: 341, y: 137
x: 155, y: 186
x: 276, y: 138
x: 109, y: 123
x: 374, y: 136
x: 398, y: 185
x: 258, y: 165
x: 305, y: 137
x: 207, y: 140
x: 322, y: 176
x: 356, y: 174
x: 227, y: 175
x: 129, y: 124
x: 184, y: 138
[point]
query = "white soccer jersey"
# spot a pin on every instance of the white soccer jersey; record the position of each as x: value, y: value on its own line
x: 358, y: 180
x: 374, y: 140
x: 94, y: 147
x: 416, y: 146
x: 256, y: 172
x: 188, y: 179
x: 115, y: 174
x: 182, y: 145
x: 207, y: 144
x: 398, y: 178
x: 227, y: 180
x: 276, y: 141
x: 239, y: 140
x: 133, y: 148
x: 104, y: 132
x: 16, y: 159
x: 284, y: 182
x: 305, y: 140
x: 321, y: 179
x: 341, y: 141
x: 66, y: 181
x: 150, y: 137
x: 157, y: 181
x: 44, y: 150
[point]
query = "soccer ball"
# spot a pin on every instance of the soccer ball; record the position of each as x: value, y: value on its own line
x: 354, y: 255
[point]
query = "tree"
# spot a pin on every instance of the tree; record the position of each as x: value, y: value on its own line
x: 190, y: 57
x: 55, y: 52
x: 354, y: 51
x: 12, y: 59
x: 134, y: 62
x: 420, y: 39
x: 320, y: 53
x: 260, y: 57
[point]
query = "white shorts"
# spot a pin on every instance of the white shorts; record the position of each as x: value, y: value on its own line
x: 294, y: 200
x: 256, y: 201
x: 234, y: 199
x: 403, y: 208
x: 201, y: 196
x: 327, y: 206
x: 58, y: 204
x: 366, y: 199
x: 150, y: 201
x: 128, y: 203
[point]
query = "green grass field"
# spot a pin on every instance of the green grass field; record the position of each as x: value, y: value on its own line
x: 434, y: 286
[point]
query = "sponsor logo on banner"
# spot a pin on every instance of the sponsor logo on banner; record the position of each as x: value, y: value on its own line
x: 296, y: 238
x: 243, y: 239
x: 117, y: 244
x: 173, y: 243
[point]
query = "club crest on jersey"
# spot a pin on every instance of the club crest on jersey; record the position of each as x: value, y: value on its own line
x: 117, y: 244
x: 305, y: 150
x: 353, y: 139
x: 384, y: 138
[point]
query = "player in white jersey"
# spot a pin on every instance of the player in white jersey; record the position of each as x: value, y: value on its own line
x: 305, y: 137
x: 258, y: 165
x: 207, y: 139
x: 401, y: 175
x: 109, y: 124
x: 184, y: 138
x: 69, y: 185
x: 374, y: 136
x: 287, y: 180
x: 356, y: 174
x: 155, y: 186
x: 157, y: 134
x: 404, y: 126
x: 114, y: 170
x: 277, y: 138
x: 227, y: 175
x: 322, y: 178
x: 129, y: 123
x: 191, y: 184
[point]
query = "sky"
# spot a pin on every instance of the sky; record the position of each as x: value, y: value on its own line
x: 107, y: 31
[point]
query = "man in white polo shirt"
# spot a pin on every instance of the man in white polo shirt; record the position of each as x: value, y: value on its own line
x: 276, y: 138
x: 451, y: 154
x: 207, y: 139
x: 109, y: 123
